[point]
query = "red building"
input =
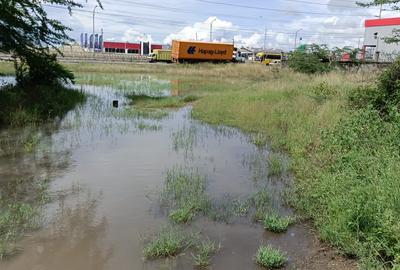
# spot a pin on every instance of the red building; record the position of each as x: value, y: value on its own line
x: 142, y: 48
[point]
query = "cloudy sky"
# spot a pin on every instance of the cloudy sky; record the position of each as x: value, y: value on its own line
x: 332, y: 22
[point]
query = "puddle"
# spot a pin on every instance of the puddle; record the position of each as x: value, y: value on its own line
x: 115, y: 160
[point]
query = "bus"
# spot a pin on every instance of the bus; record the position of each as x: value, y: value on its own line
x: 269, y: 58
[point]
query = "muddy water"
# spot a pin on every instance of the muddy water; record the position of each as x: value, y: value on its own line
x: 114, y: 162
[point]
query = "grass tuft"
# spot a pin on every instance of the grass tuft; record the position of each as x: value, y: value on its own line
x: 274, y: 223
x: 204, y: 252
x: 270, y: 257
x: 168, y: 242
x: 185, y: 191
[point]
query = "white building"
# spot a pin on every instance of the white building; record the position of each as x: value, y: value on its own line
x: 375, y: 47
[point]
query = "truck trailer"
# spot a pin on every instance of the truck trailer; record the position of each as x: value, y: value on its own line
x: 160, y: 56
x: 195, y: 51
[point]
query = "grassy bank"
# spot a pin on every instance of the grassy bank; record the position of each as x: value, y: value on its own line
x: 19, y: 107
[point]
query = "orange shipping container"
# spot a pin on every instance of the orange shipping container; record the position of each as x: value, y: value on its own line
x: 201, y: 51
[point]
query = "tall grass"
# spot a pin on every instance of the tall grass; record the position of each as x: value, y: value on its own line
x: 19, y: 107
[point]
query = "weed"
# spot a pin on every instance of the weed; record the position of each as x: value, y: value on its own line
x: 142, y: 126
x: 182, y: 215
x: 259, y: 140
x: 168, y: 242
x: 276, y: 165
x: 274, y: 223
x: 261, y: 201
x: 323, y: 91
x: 185, y: 190
x: 270, y: 257
x: 204, y: 252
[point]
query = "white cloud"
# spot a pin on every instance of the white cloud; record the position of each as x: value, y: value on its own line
x: 132, y: 35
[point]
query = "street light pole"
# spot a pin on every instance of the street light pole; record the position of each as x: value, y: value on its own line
x: 93, y: 40
x: 295, y: 39
x: 265, y: 38
x: 211, y: 24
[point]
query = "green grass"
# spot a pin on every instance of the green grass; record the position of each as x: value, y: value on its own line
x: 168, y: 242
x: 262, y: 203
x: 270, y: 257
x: 185, y: 193
x: 159, y: 102
x: 276, y: 165
x: 204, y: 252
x: 19, y: 107
x: 275, y: 223
x: 6, y: 68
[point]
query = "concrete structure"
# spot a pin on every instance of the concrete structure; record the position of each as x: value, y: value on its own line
x: 375, y: 48
x: 142, y: 48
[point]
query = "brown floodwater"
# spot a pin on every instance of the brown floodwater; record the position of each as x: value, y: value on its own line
x: 107, y: 167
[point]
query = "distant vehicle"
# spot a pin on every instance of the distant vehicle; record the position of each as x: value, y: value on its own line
x: 194, y: 51
x: 237, y: 57
x: 160, y: 56
x: 268, y: 58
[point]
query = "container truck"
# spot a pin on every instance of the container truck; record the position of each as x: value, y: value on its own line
x: 194, y: 51
x: 160, y: 56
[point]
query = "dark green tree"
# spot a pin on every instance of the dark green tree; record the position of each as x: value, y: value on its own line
x: 27, y: 32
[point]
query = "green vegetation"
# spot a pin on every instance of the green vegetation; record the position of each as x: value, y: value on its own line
x: 19, y: 107
x: 276, y: 165
x: 169, y: 242
x: 270, y: 257
x: 185, y: 192
x: 17, y: 216
x: 315, y: 60
x: 275, y: 223
x: 204, y: 252
x: 154, y: 102
x: 261, y: 201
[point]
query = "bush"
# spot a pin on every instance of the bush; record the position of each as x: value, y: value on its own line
x: 384, y: 95
x: 308, y: 63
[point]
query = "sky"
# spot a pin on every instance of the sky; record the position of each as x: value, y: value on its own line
x: 250, y: 23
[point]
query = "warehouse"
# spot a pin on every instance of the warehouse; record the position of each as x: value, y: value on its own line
x: 142, y: 48
x: 375, y: 48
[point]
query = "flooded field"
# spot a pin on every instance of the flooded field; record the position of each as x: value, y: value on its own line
x: 104, y: 192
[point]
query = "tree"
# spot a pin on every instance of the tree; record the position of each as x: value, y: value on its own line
x: 28, y: 33
x: 313, y: 59
x: 394, y: 5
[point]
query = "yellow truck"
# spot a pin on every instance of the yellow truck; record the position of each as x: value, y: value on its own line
x: 195, y: 51
x: 160, y: 56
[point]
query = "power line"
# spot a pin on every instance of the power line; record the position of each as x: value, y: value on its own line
x: 281, y: 10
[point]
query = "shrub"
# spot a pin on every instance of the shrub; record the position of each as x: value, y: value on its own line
x: 270, y: 257
x: 307, y: 63
x: 384, y: 95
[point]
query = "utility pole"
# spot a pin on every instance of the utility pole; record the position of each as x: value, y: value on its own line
x: 211, y: 25
x: 380, y: 11
x: 295, y: 38
x: 93, y: 39
x: 265, y: 38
